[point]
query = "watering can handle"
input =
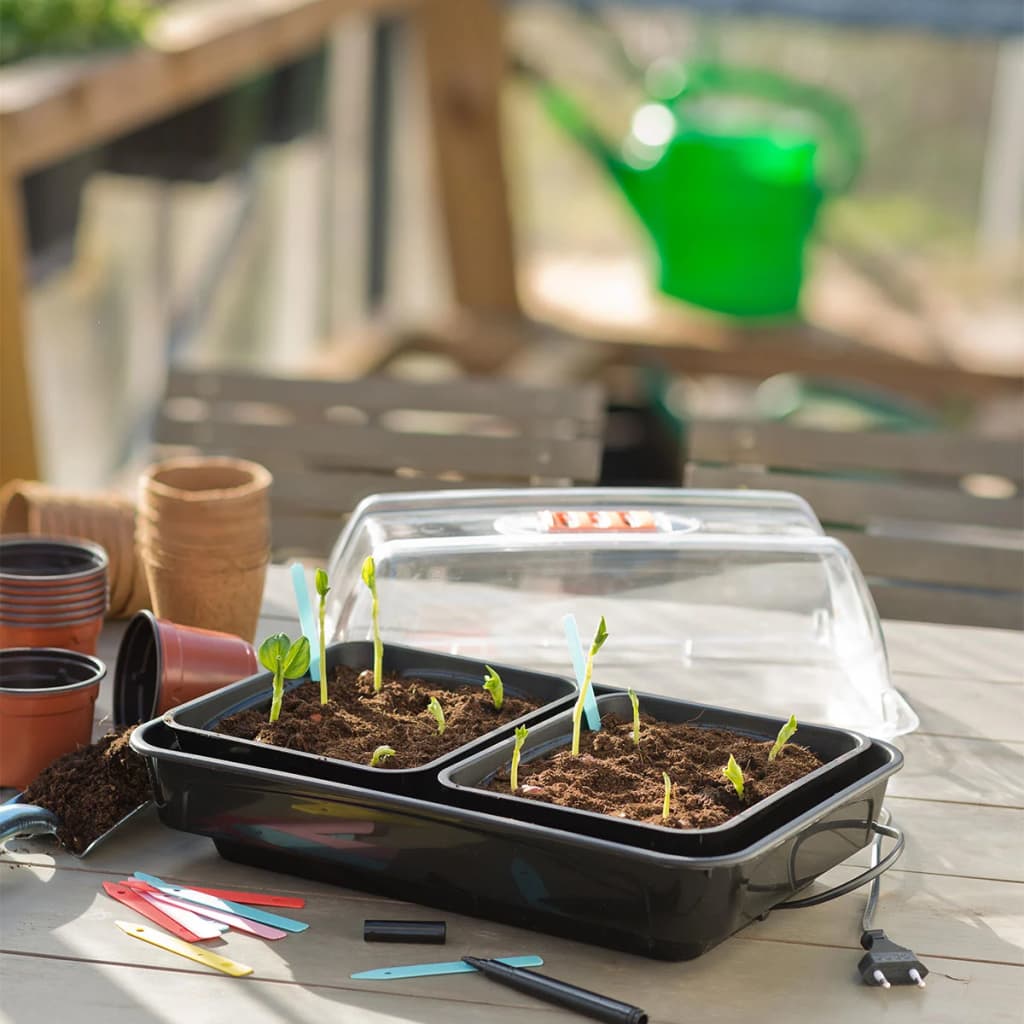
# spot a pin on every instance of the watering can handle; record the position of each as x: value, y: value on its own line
x: 702, y: 79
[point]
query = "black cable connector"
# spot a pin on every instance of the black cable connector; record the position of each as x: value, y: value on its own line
x: 886, y: 964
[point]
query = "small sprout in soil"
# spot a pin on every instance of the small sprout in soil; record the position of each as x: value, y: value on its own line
x: 286, y: 660
x: 370, y: 579
x: 322, y: 588
x: 521, y: 733
x: 785, y: 735
x: 635, y: 701
x: 577, y: 712
x: 380, y: 754
x: 494, y: 686
x: 434, y: 707
x: 734, y: 774
x: 666, y: 803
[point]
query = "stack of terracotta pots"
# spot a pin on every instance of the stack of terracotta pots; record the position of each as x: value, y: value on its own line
x: 53, y: 592
x: 203, y: 535
x: 107, y: 519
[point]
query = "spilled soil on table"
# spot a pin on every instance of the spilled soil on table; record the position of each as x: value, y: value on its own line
x: 92, y: 788
x: 612, y: 776
x: 356, y: 721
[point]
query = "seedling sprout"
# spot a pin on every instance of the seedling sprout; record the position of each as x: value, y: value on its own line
x: 521, y: 733
x: 286, y: 660
x: 322, y: 589
x: 577, y: 712
x: 666, y: 803
x: 734, y: 774
x: 493, y: 685
x: 380, y: 754
x: 370, y: 579
x: 434, y: 707
x: 635, y: 701
x: 785, y: 735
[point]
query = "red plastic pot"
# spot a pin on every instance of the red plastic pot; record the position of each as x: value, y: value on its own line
x: 46, y: 708
x: 81, y: 636
x: 161, y: 664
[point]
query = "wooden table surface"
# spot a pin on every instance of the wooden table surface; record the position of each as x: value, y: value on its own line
x: 956, y: 897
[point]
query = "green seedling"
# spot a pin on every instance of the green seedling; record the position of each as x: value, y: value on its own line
x: 380, y: 754
x: 785, y: 735
x: 286, y: 660
x: 577, y: 712
x: 494, y: 686
x: 434, y: 707
x: 521, y: 733
x: 322, y: 589
x: 370, y: 579
x: 734, y: 774
x: 635, y: 701
x: 666, y: 803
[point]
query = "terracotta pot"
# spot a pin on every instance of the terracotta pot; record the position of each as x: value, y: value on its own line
x: 46, y: 708
x: 61, y: 563
x: 72, y: 636
x: 161, y: 664
x: 49, y: 607
x: 228, y: 602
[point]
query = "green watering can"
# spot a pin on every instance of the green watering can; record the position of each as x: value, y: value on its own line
x: 730, y: 207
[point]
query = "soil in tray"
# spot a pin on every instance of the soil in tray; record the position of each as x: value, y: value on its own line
x: 356, y: 721
x: 611, y: 777
x: 91, y: 789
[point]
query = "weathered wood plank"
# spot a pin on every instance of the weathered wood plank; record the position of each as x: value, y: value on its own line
x: 963, y: 707
x: 865, y: 501
x: 583, y: 403
x: 943, y: 453
x: 955, y: 652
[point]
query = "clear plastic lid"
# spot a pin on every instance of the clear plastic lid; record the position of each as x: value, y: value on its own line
x: 733, y: 598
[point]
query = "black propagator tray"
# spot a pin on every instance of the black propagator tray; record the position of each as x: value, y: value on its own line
x: 587, y: 887
x: 196, y: 721
x: 463, y: 782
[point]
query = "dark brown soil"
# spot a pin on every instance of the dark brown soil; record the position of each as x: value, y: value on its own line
x: 611, y: 777
x: 356, y: 721
x: 92, y: 789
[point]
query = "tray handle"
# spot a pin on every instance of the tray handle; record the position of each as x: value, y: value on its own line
x: 873, y: 872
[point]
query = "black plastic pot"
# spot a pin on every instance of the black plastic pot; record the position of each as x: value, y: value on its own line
x: 584, y: 887
x: 194, y: 722
x: 464, y: 782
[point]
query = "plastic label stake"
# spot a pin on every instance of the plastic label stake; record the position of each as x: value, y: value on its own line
x: 306, y: 619
x: 444, y: 967
x: 206, y: 957
x: 579, y: 664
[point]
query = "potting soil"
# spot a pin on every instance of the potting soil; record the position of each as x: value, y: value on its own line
x: 612, y: 776
x: 92, y: 788
x: 356, y: 721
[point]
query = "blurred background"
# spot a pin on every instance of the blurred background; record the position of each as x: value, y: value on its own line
x: 805, y: 211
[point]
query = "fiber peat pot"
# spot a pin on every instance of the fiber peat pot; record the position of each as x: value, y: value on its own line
x: 593, y: 889
x: 196, y: 724
x: 466, y: 782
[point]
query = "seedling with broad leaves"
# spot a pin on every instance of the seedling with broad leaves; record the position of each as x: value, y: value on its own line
x: 286, y: 660
x: 786, y: 733
x: 434, y: 707
x: 370, y: 579
x: 494, y: 686
x: 734, y: 773
x: 323, y: 588
x: 381, y: 754
x: 577, y: 712
x: 521, y: 733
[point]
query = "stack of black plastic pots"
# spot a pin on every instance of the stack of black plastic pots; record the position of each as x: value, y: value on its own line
x: 431, y: 836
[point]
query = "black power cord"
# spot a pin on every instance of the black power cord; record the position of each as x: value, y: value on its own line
x: 885, y: 963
